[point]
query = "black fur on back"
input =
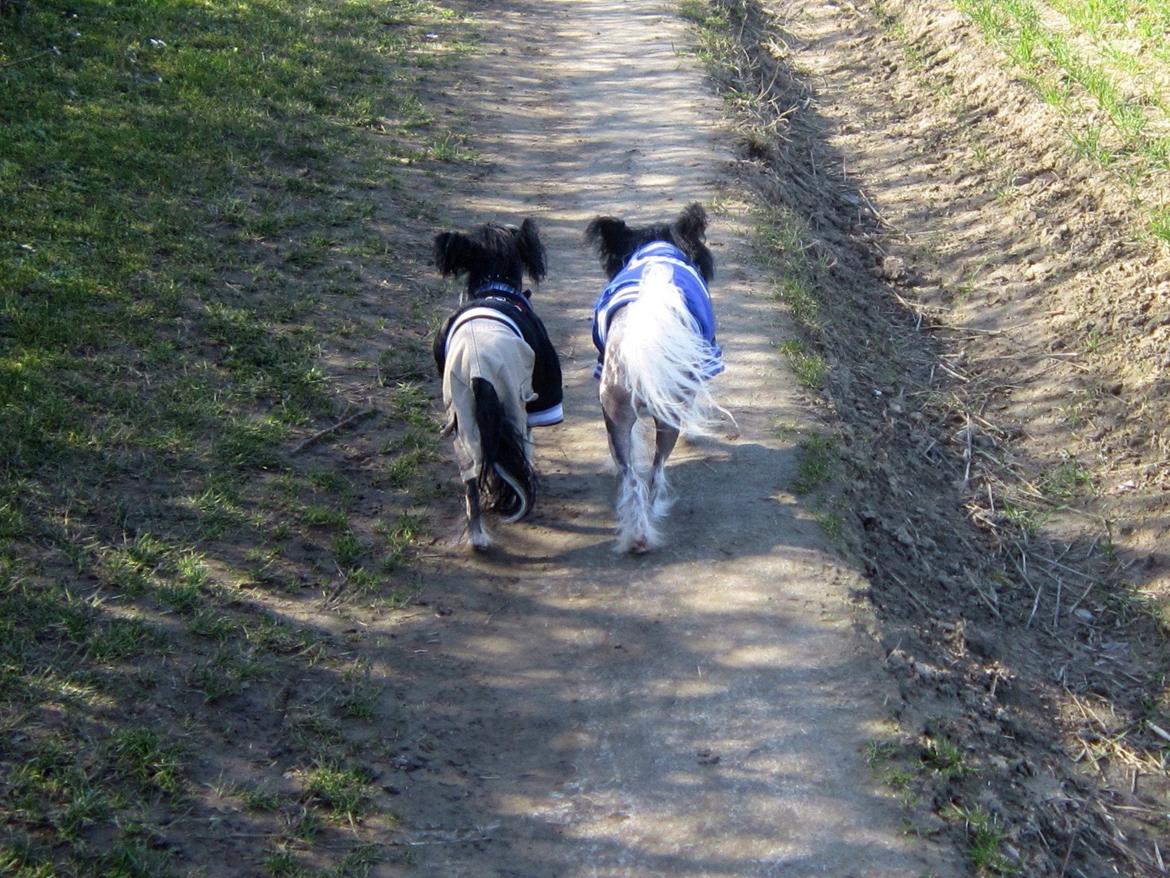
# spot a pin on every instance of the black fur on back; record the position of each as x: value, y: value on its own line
x: 492, y: 252
x: 502, y: 446
x: 615, y: 242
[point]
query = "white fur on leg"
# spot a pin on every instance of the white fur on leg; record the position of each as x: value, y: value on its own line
x: 637, y: 531
x: 661, y: 498
x: 477, y: 537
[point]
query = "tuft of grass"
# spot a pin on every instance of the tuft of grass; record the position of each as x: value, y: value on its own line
x: 342, y: 790
x: 945, y: 758
x: 347, y: 551
x: 712, y: 29
x: 888, y: 760
x: 817, y: 464
x: 283, y: 864
x: 985, y: 837
x: 400, y: 539
x: 1066, y: 480
x: 323, y: 516
x: 121, y: 639
x: 1026, y: 520
x: 810, y: 368
x: 360, y: 702
x: 879, y: 753
x: 831, y: 523
x: 1160, y: 224
x: 144, y: 757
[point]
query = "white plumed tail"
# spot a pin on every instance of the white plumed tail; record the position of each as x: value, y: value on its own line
x: 665, y: 357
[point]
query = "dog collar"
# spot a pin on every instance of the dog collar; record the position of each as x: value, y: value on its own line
x: 509, y: 297
x: 495, y: 286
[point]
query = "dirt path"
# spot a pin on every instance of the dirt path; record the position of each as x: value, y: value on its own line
x: 702, y: 710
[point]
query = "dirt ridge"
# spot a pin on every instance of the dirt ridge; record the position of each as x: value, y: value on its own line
x: 957, y: 599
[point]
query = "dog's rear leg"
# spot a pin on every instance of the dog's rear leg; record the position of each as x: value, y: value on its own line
x: 476, y: 534
x: 636, y: 532
x: 665, y: 438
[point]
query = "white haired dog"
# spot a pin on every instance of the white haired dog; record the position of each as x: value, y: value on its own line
x: 654, y: 329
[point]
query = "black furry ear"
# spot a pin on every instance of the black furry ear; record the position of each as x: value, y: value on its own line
x: 531, y: 250
x: 454, y: 253
x: 691, y: 226
x: 610, y: 237
x: 690, y: 234
x: 606, y: 234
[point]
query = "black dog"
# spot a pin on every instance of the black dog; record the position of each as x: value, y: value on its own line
x: 501, y: 374
x: 654, y: 330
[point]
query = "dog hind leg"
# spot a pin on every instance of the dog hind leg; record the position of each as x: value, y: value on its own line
x: 476, y: 534
x: 665, y: 437
x: 635, y: 526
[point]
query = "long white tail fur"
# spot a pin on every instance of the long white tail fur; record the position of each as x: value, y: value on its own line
x: 665, y: 357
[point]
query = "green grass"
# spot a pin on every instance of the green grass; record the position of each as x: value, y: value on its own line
x: 817, y: 464
x: 890, y: 766
x: 1160, y: 224
x: 985, y: 838
x: 713, y: 24
x: 1026, y: 520
x: 810, y: 368
x: 147, y: 759
x: 945, y: 758
x: 1066, y: 480
x: 1106, y: 84
x: 341, y: 790
x: 831, y: 523
x: 799, y: 267
x: 191, y: 196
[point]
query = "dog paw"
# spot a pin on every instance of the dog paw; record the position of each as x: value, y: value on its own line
x: 633, y: 544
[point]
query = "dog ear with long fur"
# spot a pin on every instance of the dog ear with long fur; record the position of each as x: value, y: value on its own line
x: 690, y: 234
x: 610, y: 237
x: 454, y: 253
x: 531, y: 250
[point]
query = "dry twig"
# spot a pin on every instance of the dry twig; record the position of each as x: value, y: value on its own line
x: 340, y: 425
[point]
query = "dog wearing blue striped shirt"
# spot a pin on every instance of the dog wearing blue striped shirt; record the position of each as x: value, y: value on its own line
x: 501, y: 374
x: 654, y: 329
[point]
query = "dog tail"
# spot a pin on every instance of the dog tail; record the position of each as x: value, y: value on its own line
x: 665, y: 356
x: 506, y: 477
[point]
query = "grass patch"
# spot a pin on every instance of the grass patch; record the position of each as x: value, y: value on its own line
x: 339, y: 789
x: 945, y: 758
x: 817, y: 464
x: 985, y: 839
x: 189, y: 197
x: 1094, y: 69
x: 810, y: 368
x: 1066, y: 480
x: 1160, y: 224
x: 891, y: 765
x: 144, y: 757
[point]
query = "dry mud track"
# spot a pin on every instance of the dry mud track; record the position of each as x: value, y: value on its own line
x: 701, y: 710
x: 704, y: 710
